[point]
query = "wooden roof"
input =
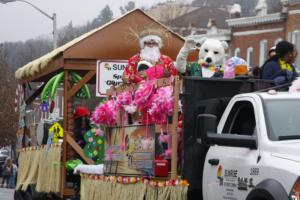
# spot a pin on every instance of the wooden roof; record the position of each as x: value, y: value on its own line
x: 111, y: 41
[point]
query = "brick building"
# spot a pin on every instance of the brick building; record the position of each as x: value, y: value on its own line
x: 252, y: 37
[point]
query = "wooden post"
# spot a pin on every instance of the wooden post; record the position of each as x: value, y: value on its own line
x: 64, y: 146
x: 174, y: 129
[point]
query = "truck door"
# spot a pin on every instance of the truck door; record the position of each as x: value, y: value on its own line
x: 228, y: 171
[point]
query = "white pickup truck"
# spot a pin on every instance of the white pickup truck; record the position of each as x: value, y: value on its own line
x: 252, y: 154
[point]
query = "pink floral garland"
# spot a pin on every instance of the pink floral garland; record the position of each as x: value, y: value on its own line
x: 162, y: 104
x: 143, y: 95
x: 158, y: 105
x: 124, y: 99
x: 105, y: 114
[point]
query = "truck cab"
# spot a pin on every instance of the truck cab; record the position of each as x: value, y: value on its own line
x: 256, y: 155
x: 243, y: 146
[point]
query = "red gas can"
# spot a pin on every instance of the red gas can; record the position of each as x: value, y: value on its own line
x: 161, y: 168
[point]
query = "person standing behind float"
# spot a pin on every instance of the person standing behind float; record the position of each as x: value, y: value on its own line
x: 12, y: 178
x: 279, y: 68
x: 7, y: 172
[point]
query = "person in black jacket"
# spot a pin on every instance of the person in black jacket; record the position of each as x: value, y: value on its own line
x: 279, y: 67
x: 7, y: 172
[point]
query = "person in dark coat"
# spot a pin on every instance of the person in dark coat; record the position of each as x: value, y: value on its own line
x: 7, y: 172
x: 279, y: 67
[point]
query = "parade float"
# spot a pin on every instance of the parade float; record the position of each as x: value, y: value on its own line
x: 122, y: 142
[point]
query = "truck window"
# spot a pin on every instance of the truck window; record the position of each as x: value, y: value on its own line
x: 241, y: 119
x: 282, y: 118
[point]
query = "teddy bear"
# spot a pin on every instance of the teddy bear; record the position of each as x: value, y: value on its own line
x: 210, y: 58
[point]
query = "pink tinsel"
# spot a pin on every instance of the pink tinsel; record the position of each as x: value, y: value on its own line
x: 295, y: 87
x: 105, y: 114
x: 164, y: 138
x: 155, y: 72
x: 143, y: 94
x: 162, y: 103
x: 168, y: 152
x: 109, y: 154
x: 130, y: 108
x: 124, y: 99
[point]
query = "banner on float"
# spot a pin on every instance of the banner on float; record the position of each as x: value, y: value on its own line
x: 109, y: 73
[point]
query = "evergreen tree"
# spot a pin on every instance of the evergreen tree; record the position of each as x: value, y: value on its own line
x: 130, y: 6
x: 105, y: 15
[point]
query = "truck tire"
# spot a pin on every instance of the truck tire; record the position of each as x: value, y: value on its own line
x: 19, y: 195
x: 268, y: 189
x: 259, y: 198
x: 32, y: 194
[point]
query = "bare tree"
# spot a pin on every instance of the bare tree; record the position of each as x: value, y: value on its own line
x: 8, y: 117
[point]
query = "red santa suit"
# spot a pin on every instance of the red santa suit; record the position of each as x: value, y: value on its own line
x: 164, y: 67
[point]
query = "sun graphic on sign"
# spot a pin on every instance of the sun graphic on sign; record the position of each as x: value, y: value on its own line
x: 107, y: 66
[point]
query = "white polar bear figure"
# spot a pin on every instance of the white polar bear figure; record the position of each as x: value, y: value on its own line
x: 211, y: 53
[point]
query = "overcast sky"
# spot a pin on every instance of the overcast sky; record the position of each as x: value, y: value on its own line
x: 19, y: 21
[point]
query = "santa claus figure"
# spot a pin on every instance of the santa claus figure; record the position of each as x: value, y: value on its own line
x: 149, y: 63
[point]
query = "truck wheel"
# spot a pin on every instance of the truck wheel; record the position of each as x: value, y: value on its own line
x: 268, y: 189
x: 261, y: 198
x: 19, y: 195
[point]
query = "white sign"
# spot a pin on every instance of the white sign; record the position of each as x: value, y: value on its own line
x: 109, y: 73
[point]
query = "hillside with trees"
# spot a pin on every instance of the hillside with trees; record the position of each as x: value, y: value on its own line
x: 8, y: 116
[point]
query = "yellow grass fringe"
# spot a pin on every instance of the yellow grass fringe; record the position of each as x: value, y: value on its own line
x: 95, y: 189
x: 41, y: 167
x: 49, y: 170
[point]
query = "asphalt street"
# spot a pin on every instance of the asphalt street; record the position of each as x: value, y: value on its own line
x: 6, y: 194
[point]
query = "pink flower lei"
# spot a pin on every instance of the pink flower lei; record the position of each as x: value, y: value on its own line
x: 143, y: 95
x: 124, y: 99
x: 105, y: 114
x: 162, y: 104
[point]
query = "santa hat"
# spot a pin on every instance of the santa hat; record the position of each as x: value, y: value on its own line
x: 151, y: 38
x: 81, y: 111
x: 151, y: 33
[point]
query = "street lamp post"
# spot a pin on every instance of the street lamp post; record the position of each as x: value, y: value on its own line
x: 53, y: 17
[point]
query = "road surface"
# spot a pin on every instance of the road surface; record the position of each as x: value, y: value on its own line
x: 6, y: 194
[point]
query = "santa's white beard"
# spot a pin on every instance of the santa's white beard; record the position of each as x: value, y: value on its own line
x: 150, y: 54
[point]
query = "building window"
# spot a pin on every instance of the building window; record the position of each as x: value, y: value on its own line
x: 296, y: 42
x: 294, y: 37
x: 250, y: 56
x: 237, y: 52
x: 263, y: 48
x: 289, y: 37
x: 277, y: 41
